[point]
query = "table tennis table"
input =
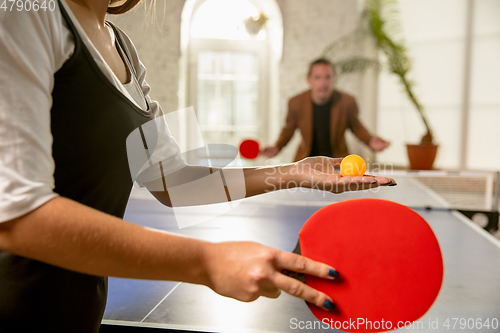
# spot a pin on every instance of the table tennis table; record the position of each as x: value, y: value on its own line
x: 471, y: 285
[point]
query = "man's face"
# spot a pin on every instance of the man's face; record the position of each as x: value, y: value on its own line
x: 321, y: 80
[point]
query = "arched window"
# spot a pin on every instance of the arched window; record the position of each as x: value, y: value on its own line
x: 228, y: 71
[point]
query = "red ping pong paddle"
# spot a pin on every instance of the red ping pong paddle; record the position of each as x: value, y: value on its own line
x: 249, y: 149
x: 388, y: 259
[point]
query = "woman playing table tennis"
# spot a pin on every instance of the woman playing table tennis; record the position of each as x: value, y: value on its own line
x: 72, y: 89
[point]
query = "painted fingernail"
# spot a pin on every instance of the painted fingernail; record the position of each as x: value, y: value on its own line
x: 393, y: 184
x: 372, y: 183
x: 333, y: 273
x: 387, y: 183
x: 328, y: 305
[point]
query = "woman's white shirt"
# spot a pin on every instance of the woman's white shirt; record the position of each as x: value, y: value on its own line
x: 33, y: 47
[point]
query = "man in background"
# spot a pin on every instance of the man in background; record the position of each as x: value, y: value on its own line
x: 323, y: 114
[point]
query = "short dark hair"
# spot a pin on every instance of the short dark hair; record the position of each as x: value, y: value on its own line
x: 321, y: 61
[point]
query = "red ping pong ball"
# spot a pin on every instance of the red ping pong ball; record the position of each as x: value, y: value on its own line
x: 249, y: 149
x: 353, y: 166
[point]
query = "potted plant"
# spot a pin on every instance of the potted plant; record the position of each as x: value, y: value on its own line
x: 379, y: 22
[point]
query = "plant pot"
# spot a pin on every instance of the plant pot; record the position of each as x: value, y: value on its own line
x: 422, y: 156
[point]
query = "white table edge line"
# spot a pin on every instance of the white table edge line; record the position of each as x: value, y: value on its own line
x: 477, y: 228
x: 157, y: 305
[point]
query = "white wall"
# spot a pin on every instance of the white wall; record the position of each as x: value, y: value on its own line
x: 435, y: 33
x: 484, y: 119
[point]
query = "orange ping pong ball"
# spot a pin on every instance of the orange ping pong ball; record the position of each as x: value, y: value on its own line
x: 353, y: 165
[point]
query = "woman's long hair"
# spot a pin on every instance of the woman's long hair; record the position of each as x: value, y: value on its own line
x: 121, y: 6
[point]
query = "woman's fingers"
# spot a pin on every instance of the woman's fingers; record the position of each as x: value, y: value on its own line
x: 335, y: 162
x: 357, y: 180
x: 302, y: 290
x: 300, y: 264
x: 366, y: 182
x: 328, y: 167
x: 339, y: 184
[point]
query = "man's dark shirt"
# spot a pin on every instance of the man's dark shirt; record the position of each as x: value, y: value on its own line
x: 321, y: 130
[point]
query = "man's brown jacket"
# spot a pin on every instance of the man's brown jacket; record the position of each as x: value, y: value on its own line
x: 344, y: 114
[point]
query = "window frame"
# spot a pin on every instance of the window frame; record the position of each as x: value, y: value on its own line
x: 258, y: 47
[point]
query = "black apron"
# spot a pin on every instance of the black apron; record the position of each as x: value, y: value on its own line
x: 90, y: 121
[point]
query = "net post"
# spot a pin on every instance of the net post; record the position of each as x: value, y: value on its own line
x: 496, y: 195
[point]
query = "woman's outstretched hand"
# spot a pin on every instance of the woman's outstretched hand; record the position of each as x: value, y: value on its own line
x: 319, y: 173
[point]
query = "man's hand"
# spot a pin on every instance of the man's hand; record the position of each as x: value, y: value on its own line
x: 319, y: 173
x: 270, y: 151
x: 378, y: 144
x: 246, y: 270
